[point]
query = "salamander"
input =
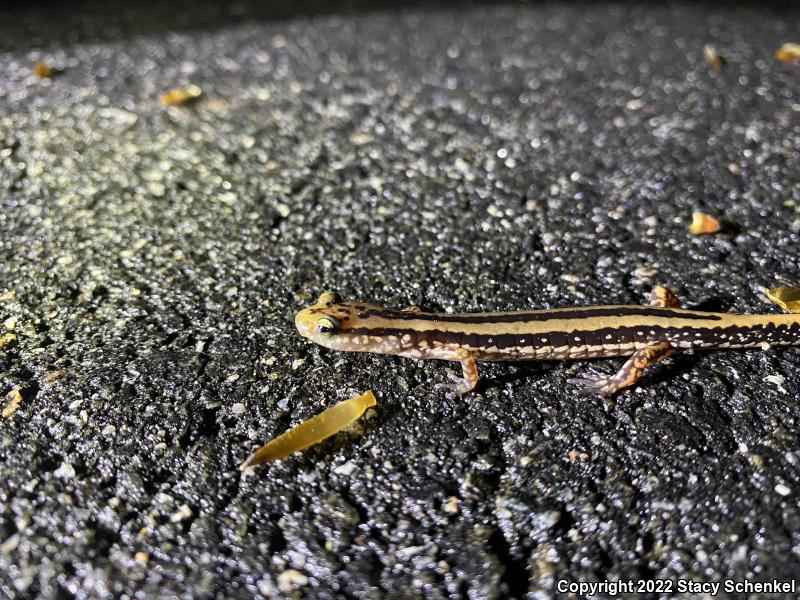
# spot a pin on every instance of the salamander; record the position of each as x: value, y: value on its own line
x: 647, y: 334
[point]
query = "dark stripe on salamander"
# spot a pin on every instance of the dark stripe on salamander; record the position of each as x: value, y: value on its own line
x: 594, y: 338
x: 522, y: 316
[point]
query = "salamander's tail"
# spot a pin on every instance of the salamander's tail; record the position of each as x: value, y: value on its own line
x: 788, y: 298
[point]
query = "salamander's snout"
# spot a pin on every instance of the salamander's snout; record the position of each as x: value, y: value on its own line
x: 304, y: 321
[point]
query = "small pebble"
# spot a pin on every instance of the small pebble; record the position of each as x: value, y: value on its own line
x: 183, y: 512
x: 65, y: 471
x: 783, y: 490
x: 290, y: 579
x: 345, y: 469
x: 451, y: 507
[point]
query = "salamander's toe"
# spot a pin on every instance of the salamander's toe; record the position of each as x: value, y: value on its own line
x: 593, y: 385
x: 459, y: 387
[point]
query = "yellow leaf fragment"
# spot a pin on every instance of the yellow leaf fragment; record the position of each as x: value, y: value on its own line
x: 703, y: 223
x: 7, y: 338
x: 313, y: 430
x: 788, y: 53
x: 43, y: 70
x: 788, y: 298
x: 714, y: 59
x: 14, y: 399
x: 181, y: 96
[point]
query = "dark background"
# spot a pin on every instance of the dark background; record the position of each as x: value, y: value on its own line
x: 456, y: 156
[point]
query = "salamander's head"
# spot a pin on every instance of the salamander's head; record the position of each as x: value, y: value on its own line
x: 334, y: 323
x: 323, y: 320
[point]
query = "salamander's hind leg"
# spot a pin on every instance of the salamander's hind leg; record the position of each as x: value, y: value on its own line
x: 463, y: 385
x: 661, y: 296
x: 628, y: 375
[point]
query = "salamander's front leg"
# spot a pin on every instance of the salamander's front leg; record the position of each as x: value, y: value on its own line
x: 461, y: 386
x: 629, y: 374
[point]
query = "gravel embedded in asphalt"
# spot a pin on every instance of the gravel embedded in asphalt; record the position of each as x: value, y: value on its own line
x: 468, y: 158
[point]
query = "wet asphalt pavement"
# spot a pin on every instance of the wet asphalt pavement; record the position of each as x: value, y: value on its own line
x: 473, y: 158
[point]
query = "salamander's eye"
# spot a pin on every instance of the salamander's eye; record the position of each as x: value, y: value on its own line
x: 327, y: 325
x: 330, y: 298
